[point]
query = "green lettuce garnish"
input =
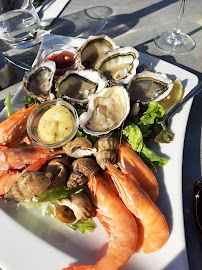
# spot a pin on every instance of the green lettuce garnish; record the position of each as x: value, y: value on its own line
x: 134, y: 137
x: 52, y: 195
x: 151, y: 116
x: 151, y: 158
x: 7, y: 103
x: 88, y: 226
x: 149, y: 125
x: 29, y: 100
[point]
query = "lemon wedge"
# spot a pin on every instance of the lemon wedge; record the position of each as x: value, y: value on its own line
x: 173, y: 98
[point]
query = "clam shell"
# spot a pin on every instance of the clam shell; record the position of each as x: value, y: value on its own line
x: 106, y: 110
x: 38, y: 81
x: 93, y: 49
x: 147, y: 86
x: 77, y: 85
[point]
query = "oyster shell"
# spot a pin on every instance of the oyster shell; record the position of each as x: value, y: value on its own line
x: 106, y: 110
x: 77, y: 85
x: 38, y: 81
x: 93, y: 49
x: 147, y: 86
x: 119, y: 65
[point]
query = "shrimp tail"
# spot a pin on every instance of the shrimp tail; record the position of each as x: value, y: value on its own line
x: 132, y: 163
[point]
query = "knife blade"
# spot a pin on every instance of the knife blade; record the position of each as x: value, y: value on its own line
x: 50, y: 10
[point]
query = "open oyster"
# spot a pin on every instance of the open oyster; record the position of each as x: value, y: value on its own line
x: 147, y: 86
x: 38, y: 81
x: 77, y: 85
x: 93, y: 49
x: 106, y: 110
x: 119, y: 65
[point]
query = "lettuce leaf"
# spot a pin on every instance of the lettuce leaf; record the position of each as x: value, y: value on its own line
x: 151, y: 158
x: 134, y: 134
x: 52, y: 195
x: 7, y: 103
x: 134, y: 137
x: 88, y: 226
x: 151, y: 116
x: 29, y: 100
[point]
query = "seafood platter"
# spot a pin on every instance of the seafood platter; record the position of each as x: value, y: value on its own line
x: 92, y: 152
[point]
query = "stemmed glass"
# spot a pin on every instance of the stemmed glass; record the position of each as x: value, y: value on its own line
x: 175, y: 41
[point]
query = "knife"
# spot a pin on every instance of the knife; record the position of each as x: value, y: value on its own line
x: 50, y: 10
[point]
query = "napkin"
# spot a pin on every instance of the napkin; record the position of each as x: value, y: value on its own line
x: 50, y: 11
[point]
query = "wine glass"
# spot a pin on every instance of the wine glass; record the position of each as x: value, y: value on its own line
x: 175, y: 41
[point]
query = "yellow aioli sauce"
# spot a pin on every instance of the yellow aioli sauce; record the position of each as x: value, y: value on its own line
x: 55, y: 124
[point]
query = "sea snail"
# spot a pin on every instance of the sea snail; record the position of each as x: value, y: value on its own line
x: 74, y: 208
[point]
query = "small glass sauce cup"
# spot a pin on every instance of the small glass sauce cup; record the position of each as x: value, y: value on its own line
x: 63, y: 55
x: 37, y: 113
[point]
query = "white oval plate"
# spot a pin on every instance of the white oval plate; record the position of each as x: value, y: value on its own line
x: 30, y: 241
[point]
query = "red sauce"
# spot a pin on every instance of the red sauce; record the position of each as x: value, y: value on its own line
x: 64, y: 60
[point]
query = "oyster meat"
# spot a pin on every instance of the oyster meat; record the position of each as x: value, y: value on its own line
x: 38, y: 81
x: 119, y: 65
x: 93, y: 49
x: 147, y: 86
x: 77, y: 85
x: 106, y: 110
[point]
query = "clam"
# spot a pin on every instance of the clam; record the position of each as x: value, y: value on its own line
x: 77, y: 85
x: 38, y: 81
x: 106, y: 110
x: 74, y: 208
x: 147, y: 86
x: 119, y: 65
x: 79, y: 147
x: 93, y: 49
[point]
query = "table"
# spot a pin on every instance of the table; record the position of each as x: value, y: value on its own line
x: 136, y: 23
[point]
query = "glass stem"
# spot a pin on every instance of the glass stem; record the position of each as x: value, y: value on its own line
x: 179, y: 18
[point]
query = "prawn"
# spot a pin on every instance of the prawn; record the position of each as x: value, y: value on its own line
x: 153, y: 228
x: 121, y: 226
x: 134, y: 166
x: 8, y: 178
x: 19, y: 157
x: 15, y: 125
